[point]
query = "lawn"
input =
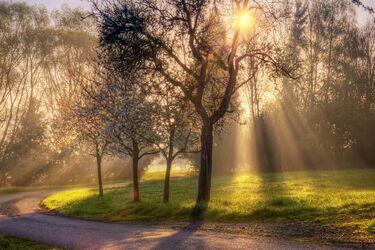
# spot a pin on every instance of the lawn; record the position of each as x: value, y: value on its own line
x: 7, y: 242
x: 342, y: 198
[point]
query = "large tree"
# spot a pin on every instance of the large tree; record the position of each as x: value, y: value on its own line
x: 24, y: 50
x: 195, y: 46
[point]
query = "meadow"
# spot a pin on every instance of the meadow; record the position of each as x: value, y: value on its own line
x: 341, y: 198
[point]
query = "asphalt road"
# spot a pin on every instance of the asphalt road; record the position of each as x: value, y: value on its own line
x: 22, y: 217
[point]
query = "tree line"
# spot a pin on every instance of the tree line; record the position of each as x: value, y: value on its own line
x: 43, y: 55
x: 324, y: 117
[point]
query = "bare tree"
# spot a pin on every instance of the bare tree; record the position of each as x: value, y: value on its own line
x: 23, y: 55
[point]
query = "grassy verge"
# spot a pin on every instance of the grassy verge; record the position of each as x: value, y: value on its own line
x: 341, y: 198
x: 7, y: 242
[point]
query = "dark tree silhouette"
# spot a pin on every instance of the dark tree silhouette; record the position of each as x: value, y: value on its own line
x: 188, y: 45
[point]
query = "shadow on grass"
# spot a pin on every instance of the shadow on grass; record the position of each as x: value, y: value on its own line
x: 268, y: 197
x: 117, y: 205
x: 277, y: 202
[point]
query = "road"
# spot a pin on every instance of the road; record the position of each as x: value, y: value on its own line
x: 22, y: 217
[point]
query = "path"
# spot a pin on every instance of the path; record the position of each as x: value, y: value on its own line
x: 22, y: 217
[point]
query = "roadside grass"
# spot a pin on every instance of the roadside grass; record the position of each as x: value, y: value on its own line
x: 7, y: 242
x: 340, y: 198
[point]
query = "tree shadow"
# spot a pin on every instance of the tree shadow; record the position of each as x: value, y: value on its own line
x: 178, y: 240
x: 278, y: 203
x: 268, y: 199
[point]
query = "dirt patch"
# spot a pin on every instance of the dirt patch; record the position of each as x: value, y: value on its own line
x: 9, y: 208
x: 22, y: 205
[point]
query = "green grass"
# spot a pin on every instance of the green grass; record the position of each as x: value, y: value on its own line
x: 335, y: 197
x: 12, y: 243
x: 159, y: 175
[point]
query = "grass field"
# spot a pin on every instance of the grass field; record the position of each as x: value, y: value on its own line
x: 12, y: 243
x: 342, y: 198
x: 159, y: 175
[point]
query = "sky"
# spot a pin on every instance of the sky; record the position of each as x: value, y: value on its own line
x: 53, y: 4
x: 362, y: 15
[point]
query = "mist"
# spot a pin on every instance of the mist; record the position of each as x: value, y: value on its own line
x: 316, y: 110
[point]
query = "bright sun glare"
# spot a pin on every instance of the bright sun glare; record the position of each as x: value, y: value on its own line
x: 245, y: 20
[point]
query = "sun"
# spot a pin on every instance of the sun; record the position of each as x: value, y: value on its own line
x: 245, y: 20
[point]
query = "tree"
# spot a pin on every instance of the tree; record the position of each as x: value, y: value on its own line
x: 28, y: 150
x: 78, y: 122
x: 175, y: 133
x: 318, y: 114
x: 360, y: 3
x: 189, y: 45
x: 91, y: 129
x: 23, y: 53
x: 127, y: 115
x: 44, y: 56
x: 68, y: 74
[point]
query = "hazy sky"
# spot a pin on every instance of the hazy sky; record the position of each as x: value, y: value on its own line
x: 363, y: 16
x: 53, y: 4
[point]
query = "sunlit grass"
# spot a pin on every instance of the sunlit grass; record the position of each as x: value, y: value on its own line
x: 333, y: 197
x: 159, y: 175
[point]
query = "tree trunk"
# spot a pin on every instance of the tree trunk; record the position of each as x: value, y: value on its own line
x: 135, y: 179
x: 167, y: 180
x: 100, y: 180
x: 204, y: 185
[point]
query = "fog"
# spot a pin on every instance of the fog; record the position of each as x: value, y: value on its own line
x: 314, y: 110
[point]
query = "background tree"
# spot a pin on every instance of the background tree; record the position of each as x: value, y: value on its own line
x: 175, y: 128
x: 79, y: 124
x: 28, y: 149
x: 127, y: 115
x: 44, y: 58
x: 22, y: 32
x: 316, y: 112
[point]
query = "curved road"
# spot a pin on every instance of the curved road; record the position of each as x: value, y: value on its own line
x: 21, y: 216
